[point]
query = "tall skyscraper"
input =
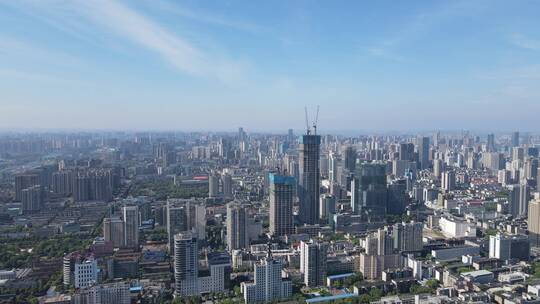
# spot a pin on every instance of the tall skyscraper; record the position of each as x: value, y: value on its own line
x: 369, y: 191
x: 448, y: 181
x: 533, y: 223
x: 423, y: 152
x: 313, y: 262
x: 130, y: 215
x: 406, y: 151
x: 281, y: 204
x: 515, y: 139
x: 113, y: 231
x: 308, y: 188
x: 186, y: 264
x: 237, y: 236
x: 490, y: 147
x: 349, y: 159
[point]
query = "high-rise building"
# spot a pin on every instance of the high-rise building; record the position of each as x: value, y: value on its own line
x: 328, y: 207
x: 515, y: 139
x: 268, y: 285
x: 508, y: 247
x: 213, y: 185
x: 369, y: 191
x: 226, y: 181
x: 308, y: 186
x: 448, y: 181
x: 406, y: 151
x: 313, y: 262
x: 533, y: 223
x: 349, y: 158
x: 408, y: 236
x: 130, y: 216
x: 490, y: 147
x: 176, y: 221
x: 237, y: 234
x: 281, y: 204
x: 186, y: 264
x: 23, y: 181
x: 423, y: 152
x: 113, y: 231
x: 332, y: 168
x: 85, y: 273
x: 32, y: 199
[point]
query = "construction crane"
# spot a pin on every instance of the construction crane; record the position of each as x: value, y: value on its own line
x: 308, y: 131
x: 315, y: 121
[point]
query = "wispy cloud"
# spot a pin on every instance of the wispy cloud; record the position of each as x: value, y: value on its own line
x: 521, y: 41
x: 124, y: 22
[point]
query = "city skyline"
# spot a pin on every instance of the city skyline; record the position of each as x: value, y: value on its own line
x: 199, y: 66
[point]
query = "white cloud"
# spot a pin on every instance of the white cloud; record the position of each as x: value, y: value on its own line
x: 525, y: 42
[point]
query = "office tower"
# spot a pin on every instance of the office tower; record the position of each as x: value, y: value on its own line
x: 509, y: 247
x: 186, y: 264
x: 112, y: 293
x: 408, y: 236
x: 241, y: 134
x: 226, y: 181
x: 406, y: 151
x: 349, y: 158
x: 32, y: 199
x: 524, y: 197
x: 281, y: 204
x: 130, y: 215
x: 313, y: 262
x: 268, y: 285
x: 518, y: 154
x: 85, y: 273
x: 530, y: 168
x: 23, y: 181
x: 369, y: 188
x: 328, y: 207
x: 213, y: 185
x: 308, y: 187
x: 237, y: 236
x: 490, y: 147
x: 448, y: 182
x: 438, y: 168
x: 493, y: 161
x: 176, y: 222
x: 515, y: 139
x: 423, y: 152
x: 398, y: 198
x: 533, y: 222
x: 290, y: 135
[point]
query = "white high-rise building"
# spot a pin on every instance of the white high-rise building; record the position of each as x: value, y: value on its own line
x: 313, y: 262
x: 113, y: 293
x: 130, y: 215
x: 269, y: 285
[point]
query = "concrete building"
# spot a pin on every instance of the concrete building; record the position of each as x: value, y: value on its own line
x: 85, y: 273
x: 313, y: 262
x: 130, y: 216
x: 408, y: 236
x: 509, y: 247
x: 113, y: 231
x: 268, y: 285
x: 32, y: 199
x: 533, y: 223
x: 308, y: 186
x: 186, y: 265
x: 113, y: 293
x: 281, y: 204
x: 237, y: 225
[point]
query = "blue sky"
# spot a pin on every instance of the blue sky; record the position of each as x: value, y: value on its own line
x: 217, y: 65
